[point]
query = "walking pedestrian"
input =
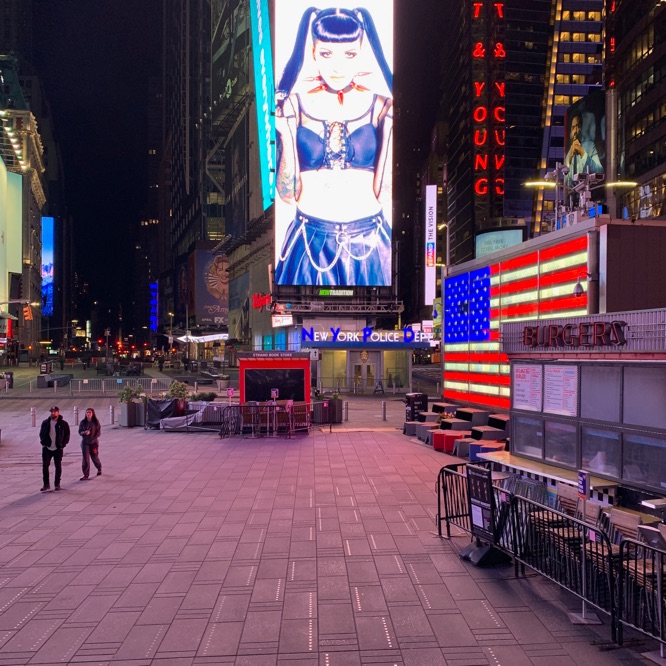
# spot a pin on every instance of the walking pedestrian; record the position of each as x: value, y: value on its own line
x: 90, y: 429
x: 54, y: 437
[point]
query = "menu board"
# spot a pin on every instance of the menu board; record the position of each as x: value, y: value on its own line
x: 526, y: 389
x: 560, y: 395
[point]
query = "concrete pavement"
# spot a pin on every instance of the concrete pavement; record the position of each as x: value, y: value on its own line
x: 317, y: 550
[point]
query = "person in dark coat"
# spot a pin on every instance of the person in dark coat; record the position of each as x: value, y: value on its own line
x: 90, y: 429
x: 54, y: 437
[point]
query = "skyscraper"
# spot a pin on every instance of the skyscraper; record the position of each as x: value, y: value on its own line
x: 513, y: 69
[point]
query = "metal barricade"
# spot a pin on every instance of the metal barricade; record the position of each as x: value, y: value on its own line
x: 642, y: 604
x: 452, y: 503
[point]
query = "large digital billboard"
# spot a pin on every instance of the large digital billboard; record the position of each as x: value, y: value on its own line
x: 334, y: 131
x: 212, y: 288
x: 430, y: 259
x: 585, y: 137
x: 48, y: 245
x: 265, y: 96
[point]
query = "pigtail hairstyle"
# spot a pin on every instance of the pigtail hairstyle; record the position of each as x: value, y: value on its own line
x: 337, y: 26
x: 295, y: 62
x: 370, y: 30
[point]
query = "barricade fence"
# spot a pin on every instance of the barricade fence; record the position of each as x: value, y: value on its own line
x: 642, y: 604
x: 623, y: 580
x: 151, y: 386
x: 262, y: 420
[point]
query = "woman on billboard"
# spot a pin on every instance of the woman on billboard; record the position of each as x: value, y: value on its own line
x: 334, y: 154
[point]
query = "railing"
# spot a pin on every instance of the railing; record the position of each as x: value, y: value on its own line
x: 150, y: 385
x: 265, y: 420
x: 624, y: 582
x: 642, y: 604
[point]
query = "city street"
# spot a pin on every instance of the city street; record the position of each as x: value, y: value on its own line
x: 320, y: 549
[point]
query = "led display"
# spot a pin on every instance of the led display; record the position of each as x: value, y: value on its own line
x: 493, y: 241
x: 48, y: 245
x: 430, y: 244
x: 265, y: 96
x: 334, y: 125
x: 533, y: 285
x: 212, y: 288
x: 585, y: 139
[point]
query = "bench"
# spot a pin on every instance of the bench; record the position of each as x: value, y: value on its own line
x: 455, y: 424
x: 476, y: 417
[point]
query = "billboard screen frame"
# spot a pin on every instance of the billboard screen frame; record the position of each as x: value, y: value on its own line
x: 48, y: 265
x: 333, y: 203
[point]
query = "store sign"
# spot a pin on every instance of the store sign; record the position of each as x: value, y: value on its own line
x: 336, y: 337
x: 282, y: 320
x: 588, y: 334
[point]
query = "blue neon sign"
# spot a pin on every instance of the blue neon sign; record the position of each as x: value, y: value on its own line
x: 265, y: 96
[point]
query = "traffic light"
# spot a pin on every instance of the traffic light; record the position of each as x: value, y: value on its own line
x: 27, y: 313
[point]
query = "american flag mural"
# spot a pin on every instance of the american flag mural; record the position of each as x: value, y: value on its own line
x: 536, y: 285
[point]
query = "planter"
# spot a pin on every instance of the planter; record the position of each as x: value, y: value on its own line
x: 141, y: 408
x: 127, y: 418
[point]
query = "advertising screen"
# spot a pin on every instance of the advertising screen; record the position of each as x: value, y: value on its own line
x: 265, y: 96
x: 48, y: 245
x: 334, y: 131
x: 212, y: 288
x: 493, y: 241
x: 430, y: 243
x: 585, y: 137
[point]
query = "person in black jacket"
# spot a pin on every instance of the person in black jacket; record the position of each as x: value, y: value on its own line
x: 54, y: 437
x: 90, y: 429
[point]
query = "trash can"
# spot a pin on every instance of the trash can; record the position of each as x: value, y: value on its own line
x: 320, y: 412
x: 9, y: 378
x: 416, y: 403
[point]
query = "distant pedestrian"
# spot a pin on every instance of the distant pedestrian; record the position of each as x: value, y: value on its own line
x: 54, y: 437
x: 160, y: 363
x: 90, y: 429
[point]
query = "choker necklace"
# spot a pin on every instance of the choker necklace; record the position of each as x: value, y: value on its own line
x: 339, y: 93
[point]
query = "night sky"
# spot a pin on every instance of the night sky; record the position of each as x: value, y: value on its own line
x: 95, y: 58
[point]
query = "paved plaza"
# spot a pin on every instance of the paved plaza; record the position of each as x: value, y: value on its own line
x: 315, y: 550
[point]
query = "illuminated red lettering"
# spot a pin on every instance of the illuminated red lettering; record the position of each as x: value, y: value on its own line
x: 529, y: 338
x: 554, y: 333
x: 499, y: 161
x: 480, y: 114
x: 499, y: 186
x: 479, y: 50
x: 567, y: 336
x: 480, y: 137
x: 584, y: 335
x: 499, y: 51
x: 500, y: 85
x: 477, y: 9
x: 481, y: 186
x: 478, y: 88
x: 500, y: 137
x: 480, y: 162
x: 498, y: 113
x: 499, y: 8
x: 617, y: 333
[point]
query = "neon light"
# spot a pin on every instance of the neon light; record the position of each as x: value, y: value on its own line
x: 481, y: 162
x: 479, y: 50
x: 481, y: 186
x: 480, y: 114
x: 480, y: 137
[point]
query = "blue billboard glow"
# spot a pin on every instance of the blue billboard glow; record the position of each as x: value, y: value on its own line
x: 48, y: 245
x: 265, y: 99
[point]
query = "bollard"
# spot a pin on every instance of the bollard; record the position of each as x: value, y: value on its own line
x: 55, y: 386
x: 33, y: 416
x: 438, y: 393
x: 76, y: 413
x: 196, y: 388
x: 345, y: 410
x: 111, y: 415
x: 383, y: 410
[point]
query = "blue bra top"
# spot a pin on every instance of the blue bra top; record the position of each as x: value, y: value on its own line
x: 335, y: 146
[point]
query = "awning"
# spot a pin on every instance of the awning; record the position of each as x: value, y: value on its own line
x: 6, y: 315
x: 203, y: 338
